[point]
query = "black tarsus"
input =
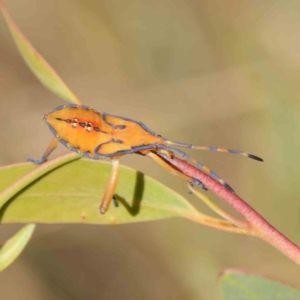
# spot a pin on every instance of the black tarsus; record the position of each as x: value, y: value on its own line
x: 199, y: 183
x: 228, y: 187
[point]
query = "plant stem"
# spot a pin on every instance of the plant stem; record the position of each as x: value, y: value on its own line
x: 258, y: 226
x: 202, y: 196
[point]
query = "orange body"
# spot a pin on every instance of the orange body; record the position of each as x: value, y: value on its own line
x: 85, y: 129
x: 99, y: 135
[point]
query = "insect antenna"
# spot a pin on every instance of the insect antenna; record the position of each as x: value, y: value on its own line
x: 213, y: 149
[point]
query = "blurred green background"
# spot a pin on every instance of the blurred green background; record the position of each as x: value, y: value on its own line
x: 217, y: 73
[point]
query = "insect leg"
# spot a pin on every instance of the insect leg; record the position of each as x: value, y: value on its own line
x: 123, y: 152
x: 110, y: 187
x: 200, y: 184
x: 159, y: 159
x: 214, y: 149
x: 193, y: 160
x: 51, y: 147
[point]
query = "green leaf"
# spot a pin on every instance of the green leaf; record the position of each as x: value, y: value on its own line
x: 14, y: 246
x: 236, y: 285
x: 38, y: 65
x: 72, y: 194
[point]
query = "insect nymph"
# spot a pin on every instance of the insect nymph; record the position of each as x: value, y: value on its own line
x: 99, y: 135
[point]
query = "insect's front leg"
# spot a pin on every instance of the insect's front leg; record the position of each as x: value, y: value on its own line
x: 51, y: 147
x: 110, y: 187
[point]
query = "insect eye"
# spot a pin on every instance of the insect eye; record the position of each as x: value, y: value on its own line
x: 89, y: 126
x: 74, y: 123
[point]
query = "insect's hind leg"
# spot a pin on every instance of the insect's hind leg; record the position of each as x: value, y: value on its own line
x: 49, y: 150
x: 159, y: 158
x: 200, y: 184
x: 200, y: 165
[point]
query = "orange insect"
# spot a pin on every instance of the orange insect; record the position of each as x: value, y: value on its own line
x: 99, y: 135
